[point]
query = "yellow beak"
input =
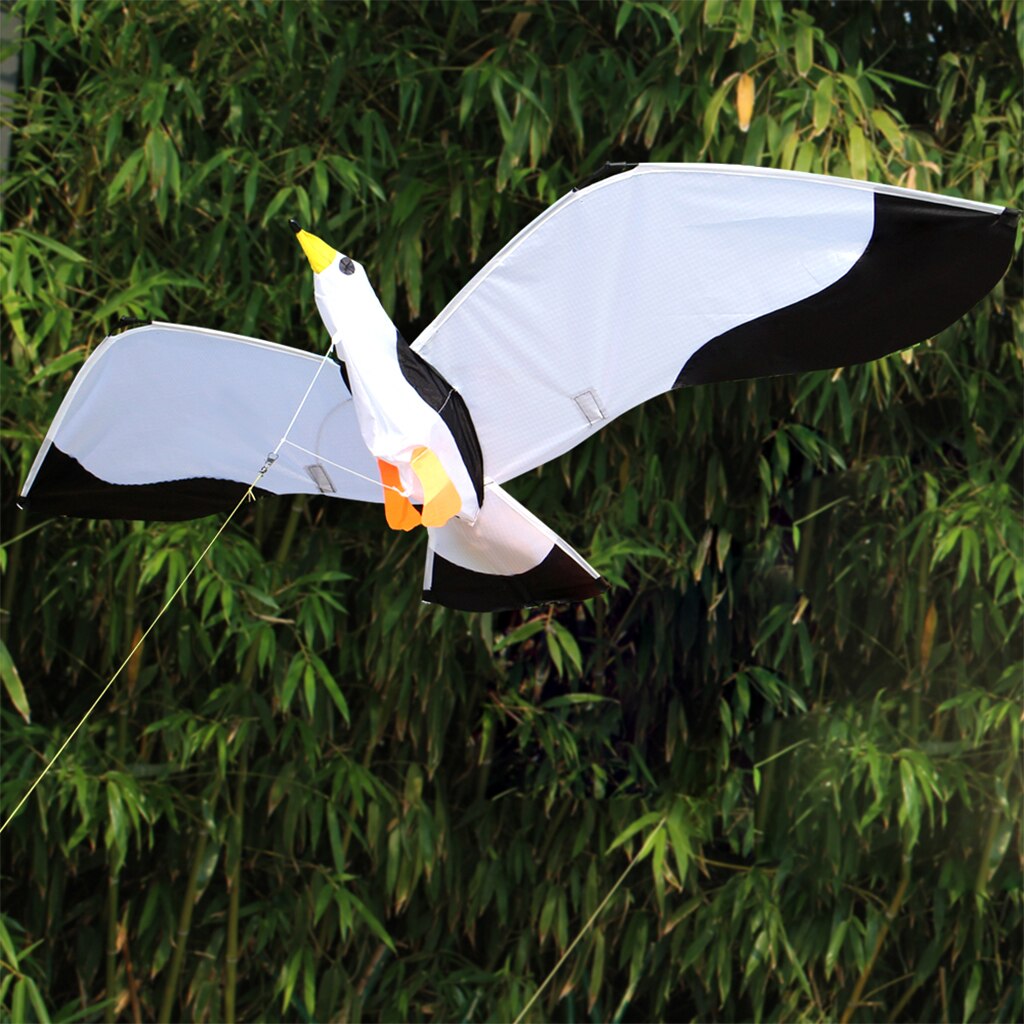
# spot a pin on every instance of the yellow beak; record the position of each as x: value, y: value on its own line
x: 318, y: 252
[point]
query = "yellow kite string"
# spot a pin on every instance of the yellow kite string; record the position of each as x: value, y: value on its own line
x: 270, y: 460
x: 593, y: 917
x: 149, y: 629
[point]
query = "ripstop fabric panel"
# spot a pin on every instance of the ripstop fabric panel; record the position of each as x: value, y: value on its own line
x: 162, y: 417
x: 598, y: 304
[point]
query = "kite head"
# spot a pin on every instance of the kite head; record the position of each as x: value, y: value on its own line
x: 321, y: 256
x: 344, y: 295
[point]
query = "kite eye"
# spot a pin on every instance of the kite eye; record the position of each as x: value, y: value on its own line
x: 346, y: 265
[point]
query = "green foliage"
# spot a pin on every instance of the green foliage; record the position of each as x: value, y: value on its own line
x: 311, y: 797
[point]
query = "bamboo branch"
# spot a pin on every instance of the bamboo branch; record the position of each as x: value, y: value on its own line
x: 133, y: 985
x: 894, y: 1014
x: 370, y: 968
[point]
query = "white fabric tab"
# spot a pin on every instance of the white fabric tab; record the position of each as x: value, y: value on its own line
x: 321, y: 479
x: 590, y: 406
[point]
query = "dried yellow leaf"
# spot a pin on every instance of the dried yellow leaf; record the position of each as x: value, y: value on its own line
x: 745, y: 100
x: 931, y: 619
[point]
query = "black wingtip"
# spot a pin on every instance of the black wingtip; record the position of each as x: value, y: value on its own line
x: 295, y: 225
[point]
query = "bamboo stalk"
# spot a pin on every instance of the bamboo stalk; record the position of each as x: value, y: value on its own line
x: 234, y: 869
x: 111, y: 949
x: 133, y: 985
x: 890, y: 915
x: 181, y: 937
x: 288, y: 535
x: 235, y: 890
x: 601, y: 646
x: 982, y: 878
x: 11, y: 573
x: 810, y: 518
x: 764, y: 797
x: 918, y: 684
x: 121, y: 744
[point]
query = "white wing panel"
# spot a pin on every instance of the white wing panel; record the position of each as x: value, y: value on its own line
x: 596, y: 306
x: 165, y: 402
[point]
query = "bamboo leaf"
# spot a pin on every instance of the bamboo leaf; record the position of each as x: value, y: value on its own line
x: 371, y: 920
x: 714, y: 108
x: 13, y: 685
x: 282, y: 196
x: 651, y: 818
x: 596, y: 970
x: 973, y: 990
x: 823, y: 104
x: 60, y: 365
x: 883, y: 121
x: 803, y: 48
x: 713, y: 10
x: 858, y: 152
x: 59, y: 248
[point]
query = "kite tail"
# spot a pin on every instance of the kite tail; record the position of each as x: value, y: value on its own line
x: 507, y: 559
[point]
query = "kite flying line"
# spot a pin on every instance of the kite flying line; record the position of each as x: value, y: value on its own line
x: 264, y: 469
x: 131, y: 653
x: 593, y: 917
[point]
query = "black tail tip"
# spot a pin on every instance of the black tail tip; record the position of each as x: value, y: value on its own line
x: 295, y: 225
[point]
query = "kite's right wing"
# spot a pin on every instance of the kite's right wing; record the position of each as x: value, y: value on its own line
x: 171, y: 422
x: 677, y: 274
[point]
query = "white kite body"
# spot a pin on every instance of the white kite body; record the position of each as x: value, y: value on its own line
x: 394, y: 419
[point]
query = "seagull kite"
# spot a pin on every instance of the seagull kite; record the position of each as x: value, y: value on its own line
x: 652, y: 277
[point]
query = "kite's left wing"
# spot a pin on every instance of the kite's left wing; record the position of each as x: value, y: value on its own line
x: 171, y: 422
x: 676, y: 274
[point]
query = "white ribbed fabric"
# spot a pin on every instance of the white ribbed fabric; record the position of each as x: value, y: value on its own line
x: 609, y: 292
x: 167, y: 402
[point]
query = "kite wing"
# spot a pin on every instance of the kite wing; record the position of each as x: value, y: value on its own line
x: 675, y: 274
x: 171, y: 422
